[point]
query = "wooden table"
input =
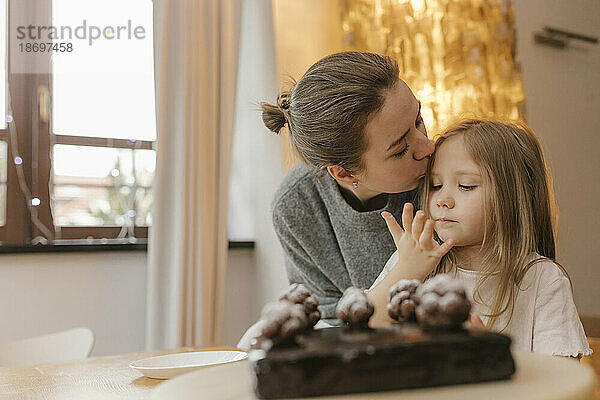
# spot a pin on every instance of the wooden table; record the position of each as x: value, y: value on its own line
x: 103, y: 378
x: 112, y: 378
x: 538, y: 377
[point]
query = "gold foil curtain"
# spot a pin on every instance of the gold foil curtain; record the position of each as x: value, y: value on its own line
x: 458, y: 56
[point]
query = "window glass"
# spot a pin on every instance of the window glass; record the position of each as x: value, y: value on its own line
x: 104, y: 86
x: 98, y: 186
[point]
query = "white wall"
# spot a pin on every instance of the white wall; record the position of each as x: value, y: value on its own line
x: 562, y: 90
x: 48, y: 292
x: 105, y: 291
x: 240, y: 297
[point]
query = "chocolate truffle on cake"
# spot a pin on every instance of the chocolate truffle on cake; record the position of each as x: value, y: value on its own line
x: 297, y: 293
x: 402, y: 300
x: 281, y: 320
x: 441, y: 303
x: 355, y: 308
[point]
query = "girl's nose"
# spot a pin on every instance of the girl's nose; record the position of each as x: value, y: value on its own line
x: 424, y: 148
x: 445, y: 201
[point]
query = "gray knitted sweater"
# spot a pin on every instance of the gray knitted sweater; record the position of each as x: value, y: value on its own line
x: 328, y: 245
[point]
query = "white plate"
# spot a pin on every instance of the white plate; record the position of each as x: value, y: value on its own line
x: 170, y: 365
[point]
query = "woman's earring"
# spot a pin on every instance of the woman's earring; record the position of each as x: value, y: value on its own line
x: 355, y: 184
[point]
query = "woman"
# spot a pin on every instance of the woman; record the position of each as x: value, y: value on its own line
x: 358, y: 128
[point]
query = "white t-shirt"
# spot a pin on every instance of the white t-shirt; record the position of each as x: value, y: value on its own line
x: 545, y: 319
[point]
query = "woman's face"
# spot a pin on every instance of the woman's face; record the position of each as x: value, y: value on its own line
x: 398, y: 147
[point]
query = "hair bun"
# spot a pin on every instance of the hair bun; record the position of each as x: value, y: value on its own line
x: 273, y: 117
x: 276, y: 116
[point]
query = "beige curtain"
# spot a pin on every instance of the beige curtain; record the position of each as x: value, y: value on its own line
x: 196, y: 51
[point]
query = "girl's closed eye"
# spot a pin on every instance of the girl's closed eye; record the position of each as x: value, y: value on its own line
x: 467, y: 187
x: 436, y: 187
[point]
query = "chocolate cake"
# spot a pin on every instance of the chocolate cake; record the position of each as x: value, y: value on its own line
x: 428, y: 346
x: 353, y: 360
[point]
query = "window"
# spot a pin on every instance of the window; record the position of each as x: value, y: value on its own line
x: 84, y: 120
x: 107, y: 182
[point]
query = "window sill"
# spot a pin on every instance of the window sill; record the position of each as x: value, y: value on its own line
x: 96, y: 245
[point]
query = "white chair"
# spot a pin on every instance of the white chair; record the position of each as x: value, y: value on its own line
x: 69, y: 345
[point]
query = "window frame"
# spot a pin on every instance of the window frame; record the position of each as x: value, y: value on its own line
x: 17, y: 228
x: 35, y: 143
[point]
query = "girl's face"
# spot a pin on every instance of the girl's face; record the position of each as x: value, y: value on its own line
x: 456, y: 198
x: 398, y: 147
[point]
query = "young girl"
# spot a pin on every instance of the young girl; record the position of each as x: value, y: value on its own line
x: 488, y: 219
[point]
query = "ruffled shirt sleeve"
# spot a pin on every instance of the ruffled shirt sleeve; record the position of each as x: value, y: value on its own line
x: 557, y: 329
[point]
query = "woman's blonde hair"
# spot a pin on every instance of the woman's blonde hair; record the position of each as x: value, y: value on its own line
x: 520, y: 210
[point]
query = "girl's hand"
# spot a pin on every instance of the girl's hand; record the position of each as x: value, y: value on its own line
x: 418, y: 255
x: 418, y: 251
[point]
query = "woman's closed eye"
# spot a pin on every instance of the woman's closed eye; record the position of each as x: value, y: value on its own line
x: 418, y: 122
x: 401, y: 152
x: 436, y: 187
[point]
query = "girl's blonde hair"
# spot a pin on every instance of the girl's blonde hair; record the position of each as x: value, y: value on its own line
x: 521, y: 214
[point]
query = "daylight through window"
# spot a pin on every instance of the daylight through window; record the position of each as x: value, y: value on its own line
x: 104, y: 116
